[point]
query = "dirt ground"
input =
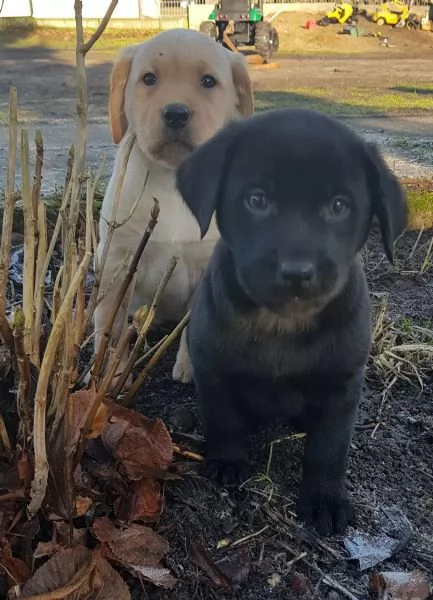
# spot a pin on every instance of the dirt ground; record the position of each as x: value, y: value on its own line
x: 386, y: 92
x: 389, y: 466
x: 392, y: 452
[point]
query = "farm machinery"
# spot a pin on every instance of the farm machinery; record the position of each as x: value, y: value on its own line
x: 236, y: 23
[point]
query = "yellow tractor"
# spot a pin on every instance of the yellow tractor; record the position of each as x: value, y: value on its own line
x: 391, y: 13
x: 341, y: 13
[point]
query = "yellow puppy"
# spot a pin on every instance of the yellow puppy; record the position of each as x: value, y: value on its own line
x: 173, y: 93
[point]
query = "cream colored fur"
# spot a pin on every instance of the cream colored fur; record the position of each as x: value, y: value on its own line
x: 179, y: 59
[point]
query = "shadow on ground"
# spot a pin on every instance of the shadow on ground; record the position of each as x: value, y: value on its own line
x: 45, y: 80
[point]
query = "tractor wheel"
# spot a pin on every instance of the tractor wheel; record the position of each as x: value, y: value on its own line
x: 380, y: 21
x: 209, y: 29
x: 266, y: 39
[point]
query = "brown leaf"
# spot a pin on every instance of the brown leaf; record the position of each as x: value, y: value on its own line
x: 82, y: 504
x: 145, y: 450
x: 25, y: 469
x: 57, y: 572
x: 62, y: 454
x: 137, y: 548
x: 15, y: 569
x: 156, y: 575
x: 63, y: 533
x: 46, y: 549
x: 99, y: 422
x: 144, y: 500
x: 113, y: 433
x: 401, y: 585
x: 202, y: 559
x: 113, y: 585
x: 132, y: 417
x: 8, y: 512
x: 76, y: 574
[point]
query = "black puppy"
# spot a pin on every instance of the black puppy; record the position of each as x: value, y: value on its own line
x: 280, y: 323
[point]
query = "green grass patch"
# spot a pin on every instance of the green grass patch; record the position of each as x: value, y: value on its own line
x: 348, y: 101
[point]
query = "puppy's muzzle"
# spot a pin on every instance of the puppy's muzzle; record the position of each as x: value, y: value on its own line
x: 176, y: 116
x: 297, y: 274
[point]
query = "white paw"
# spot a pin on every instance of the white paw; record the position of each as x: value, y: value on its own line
x: 182, y: 370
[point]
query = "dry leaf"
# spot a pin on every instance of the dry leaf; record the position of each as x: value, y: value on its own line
x: 144, y: 500
x: 202, y: 559
x: 25, y: 469
x: 99, y: 422
x: 8, y: 512
x: 137, y: 548
x: 145, y: 450
x: 76, y: 574
x: 63, y: 534
x: 143, y: 446
x: 57, y: 572
x: 15, y: 569
x: 401, y: 585
x: 46, y: 549
x: 62, y: 454
x: 82, y: 504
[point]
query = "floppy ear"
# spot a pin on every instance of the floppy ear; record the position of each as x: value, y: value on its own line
x: 201, y: 176
x: 389, y: 202
x: 116, y: 103
x: 243, y: 85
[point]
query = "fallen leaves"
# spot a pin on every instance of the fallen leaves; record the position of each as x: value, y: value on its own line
x: 401, y: 585
x: 137, y: 548
x: 111, y: 466
x: 76, y: 574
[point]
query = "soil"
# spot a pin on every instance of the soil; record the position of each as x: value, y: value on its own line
x: 390, y: 465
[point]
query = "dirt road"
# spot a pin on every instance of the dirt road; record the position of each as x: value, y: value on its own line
x: 45, y: 80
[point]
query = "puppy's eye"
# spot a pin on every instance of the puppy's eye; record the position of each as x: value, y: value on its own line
x: 339, y: 208
x: 207, y: 81
x: 257, y: 202
x: 149, y: 79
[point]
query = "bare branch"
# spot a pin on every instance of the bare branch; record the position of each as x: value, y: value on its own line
x: 101, y: 28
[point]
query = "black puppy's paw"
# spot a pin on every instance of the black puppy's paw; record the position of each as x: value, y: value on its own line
x: 225, y: 472
x: 326, y: 506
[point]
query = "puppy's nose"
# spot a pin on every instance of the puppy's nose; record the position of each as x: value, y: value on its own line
x: 176, y: 115
x: 297, y: 271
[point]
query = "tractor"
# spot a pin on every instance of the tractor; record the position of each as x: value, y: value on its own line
x: 236, y: 23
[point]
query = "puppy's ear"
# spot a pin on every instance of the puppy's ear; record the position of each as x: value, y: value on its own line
x: 388, y: 198
x: 243, y: 85
x: 201, y: 176
x: 116, y: 104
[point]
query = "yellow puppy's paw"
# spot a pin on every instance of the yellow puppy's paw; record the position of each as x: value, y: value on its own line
x: 182, y: 370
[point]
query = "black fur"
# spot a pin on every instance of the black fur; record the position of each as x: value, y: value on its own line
x: 280, y: 323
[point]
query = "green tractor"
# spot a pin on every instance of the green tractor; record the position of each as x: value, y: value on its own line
x: 236, y: 23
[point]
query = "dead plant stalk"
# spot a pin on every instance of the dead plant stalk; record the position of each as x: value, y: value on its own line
x: 8, y: 216
x: 29, y: 247
x: 150, y: 316
x: 41, y: 464
x: 122, y: 291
